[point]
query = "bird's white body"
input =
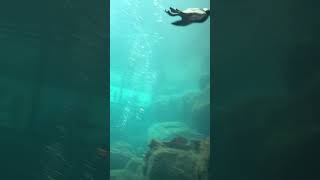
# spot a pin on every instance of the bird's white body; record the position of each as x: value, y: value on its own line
x: 194, y: 10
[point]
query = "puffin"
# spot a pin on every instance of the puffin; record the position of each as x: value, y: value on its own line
x: 189, y: 16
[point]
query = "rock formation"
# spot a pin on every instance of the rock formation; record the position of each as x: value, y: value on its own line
x: 177, y: 159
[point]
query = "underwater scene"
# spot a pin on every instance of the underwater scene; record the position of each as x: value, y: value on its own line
x: 159, y: 91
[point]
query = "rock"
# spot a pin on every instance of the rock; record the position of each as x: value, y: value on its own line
x: 128, y: 169
x: 197, y: 109
x: 163, y: 161
x: 200, y: 118
x: 124, y: 174
x: 166, y: 131
x: 134, y: 165
x: 120, y: 155
x: 134, y: 168
x: 116, y: 174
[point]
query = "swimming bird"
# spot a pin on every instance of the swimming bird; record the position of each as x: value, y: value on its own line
x: 190, y: 15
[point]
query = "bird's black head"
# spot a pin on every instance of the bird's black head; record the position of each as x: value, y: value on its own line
x: 207, y: 11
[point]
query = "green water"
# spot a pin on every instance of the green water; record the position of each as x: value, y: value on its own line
x: 155, y: 68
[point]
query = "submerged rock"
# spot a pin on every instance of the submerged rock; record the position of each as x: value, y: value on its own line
x: 121, y: 153
x: 135, y: 165
x: 166, y: 161
x: 125, y: 175
x: 192, y: 107
x: 125, y: 165
x: 167, y: 131
x: 197, y: 109
x: 132, y: 171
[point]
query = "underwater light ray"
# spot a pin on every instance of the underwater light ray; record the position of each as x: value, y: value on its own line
x: 138, y: 79
x: 138, y: 73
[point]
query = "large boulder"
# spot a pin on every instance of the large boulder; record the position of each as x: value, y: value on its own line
x: 177, y: 159
x: 166, y: 131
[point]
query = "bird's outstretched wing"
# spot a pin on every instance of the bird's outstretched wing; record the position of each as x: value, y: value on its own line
x: 170, y: 13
